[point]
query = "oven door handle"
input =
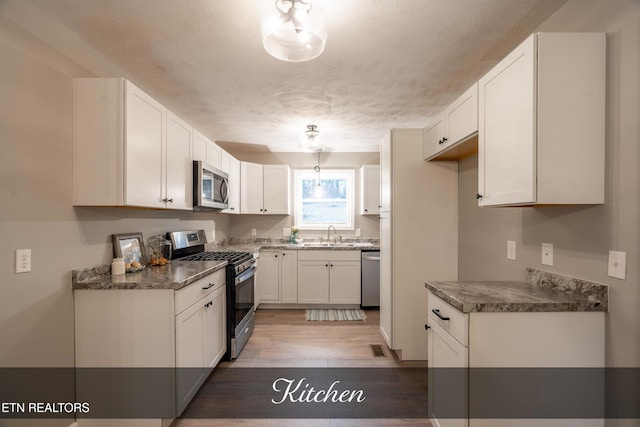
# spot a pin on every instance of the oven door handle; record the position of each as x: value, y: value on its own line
x: 247, y: 274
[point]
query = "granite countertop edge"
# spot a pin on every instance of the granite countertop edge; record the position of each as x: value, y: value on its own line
x: 174, y: 276
x: 573, y: 295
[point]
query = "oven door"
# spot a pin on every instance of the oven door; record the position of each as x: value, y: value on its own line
x: 244, y: 296
x: 242, y: 316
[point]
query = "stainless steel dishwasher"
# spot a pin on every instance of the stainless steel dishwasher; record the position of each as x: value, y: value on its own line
x: 370, y: 263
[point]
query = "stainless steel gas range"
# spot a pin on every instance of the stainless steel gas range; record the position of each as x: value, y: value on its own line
x: 240, y: 273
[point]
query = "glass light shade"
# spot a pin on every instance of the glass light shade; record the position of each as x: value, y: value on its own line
x: 294, y: 31
x: 311, y: 139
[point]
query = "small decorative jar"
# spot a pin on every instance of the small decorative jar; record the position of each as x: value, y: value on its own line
x: 159, y: 250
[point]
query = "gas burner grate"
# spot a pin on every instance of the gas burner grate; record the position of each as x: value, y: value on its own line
x: 232, y: 257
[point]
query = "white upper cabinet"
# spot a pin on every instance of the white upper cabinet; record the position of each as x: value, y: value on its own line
x: 251, y: 191
x: 542, y: 122
x: 126, y: 152
x: 446, y: 137
x: 231, y: 166
x: 179, y: 167
x: 264, y: 189
x: 206, y: 150
x: 370, y: 190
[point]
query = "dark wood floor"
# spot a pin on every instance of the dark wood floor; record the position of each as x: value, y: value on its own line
x: 283, y: 338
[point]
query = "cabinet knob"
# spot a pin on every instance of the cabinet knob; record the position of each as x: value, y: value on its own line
x: 478, y: 196
x: 265, y: 210
x: 326, y: 265
x: 331, y: 265
x: 283, y: 254
x: 439, y: 142
x: 444, y: 139
x: 261, y: 209
x: 276, y: 255
x: 366, y: 210
x: 170, y: 200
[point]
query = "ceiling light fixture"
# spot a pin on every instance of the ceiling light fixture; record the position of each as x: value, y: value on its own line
x: 311, y: 139
x: 295, y: 30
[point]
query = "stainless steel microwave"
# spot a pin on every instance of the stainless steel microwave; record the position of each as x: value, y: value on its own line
x: 210, y: 187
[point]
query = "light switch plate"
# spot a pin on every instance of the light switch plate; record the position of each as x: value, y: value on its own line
x: 547, y: 253
x: 286, y: 232
x: 511, y: 249
x: 617, y: 265
x: 358, y: 233
x: 254, y: 233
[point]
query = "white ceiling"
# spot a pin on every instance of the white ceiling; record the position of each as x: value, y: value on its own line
x: 387, y: 63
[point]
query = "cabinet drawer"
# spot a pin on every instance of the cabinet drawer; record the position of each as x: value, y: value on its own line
x: 189, y: 295
x: 329, y: 254
x: 458, y: 322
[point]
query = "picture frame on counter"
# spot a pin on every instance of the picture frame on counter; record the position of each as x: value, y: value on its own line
x: 129, y: 247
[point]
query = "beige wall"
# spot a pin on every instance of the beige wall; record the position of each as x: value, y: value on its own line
x: 36, y: 309
x: 582, y: 235
x: 272, y: 225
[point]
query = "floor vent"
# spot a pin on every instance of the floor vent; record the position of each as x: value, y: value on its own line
x: 377, y: 350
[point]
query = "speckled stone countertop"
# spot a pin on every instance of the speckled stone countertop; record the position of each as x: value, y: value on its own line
x: 176, y: 275
x: 541, y: 292
x: 257, y: 246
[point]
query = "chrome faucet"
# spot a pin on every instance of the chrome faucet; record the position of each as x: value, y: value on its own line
x: 335, y: 233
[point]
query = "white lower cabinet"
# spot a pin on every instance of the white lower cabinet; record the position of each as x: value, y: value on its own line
x: 278, y: 277
x: 329, y: 277
x: 504, y: 340
x: 153, y: 328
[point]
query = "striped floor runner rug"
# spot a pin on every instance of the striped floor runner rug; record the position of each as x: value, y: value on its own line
x: 334, y: 314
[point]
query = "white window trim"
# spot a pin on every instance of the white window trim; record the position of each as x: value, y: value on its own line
x: 351, y: 184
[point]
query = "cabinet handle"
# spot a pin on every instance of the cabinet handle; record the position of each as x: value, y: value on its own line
x: 437, y: 313
x: 444, y: 139
x: 208, y: 287
x: 478, y: 196
x: 439, y: 142
x: 427, y: 327
x: 232, y: 209
x: 170, y: 200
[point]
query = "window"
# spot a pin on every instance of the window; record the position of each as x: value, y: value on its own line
x: 323, y: 199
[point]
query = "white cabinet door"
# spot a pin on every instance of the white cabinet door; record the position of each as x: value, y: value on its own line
x: 199, y: 150
x: 276, y: 189
x: 251, y: 193
x: 344, y: 282
x: 289, y: 277
x: 145, y: 137
x: 214, y: 154
x: 447, y: 386
x: 269, y: 276
x: 461, y: 117
x: 507, y: 130
x: 215, y: 331
x: 385, y: 173
x: 370, y: 189
x: 542, y: 123
x: 225, y: 161
x: 313, y: 282
x: 432, y: 139
x: 190, y: 326
x: 179, y: 169
x: 234, y: 186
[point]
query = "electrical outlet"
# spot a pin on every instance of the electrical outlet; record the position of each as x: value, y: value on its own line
x: 23, y: 260
x: 511, y: 249
x: 254, y: 232
x: 286, y: 232
x: 547, y: 253
x: 358, y: 232
x: 617, y: 265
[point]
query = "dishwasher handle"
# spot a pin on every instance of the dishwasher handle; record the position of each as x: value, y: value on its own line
x: 371, y: 258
